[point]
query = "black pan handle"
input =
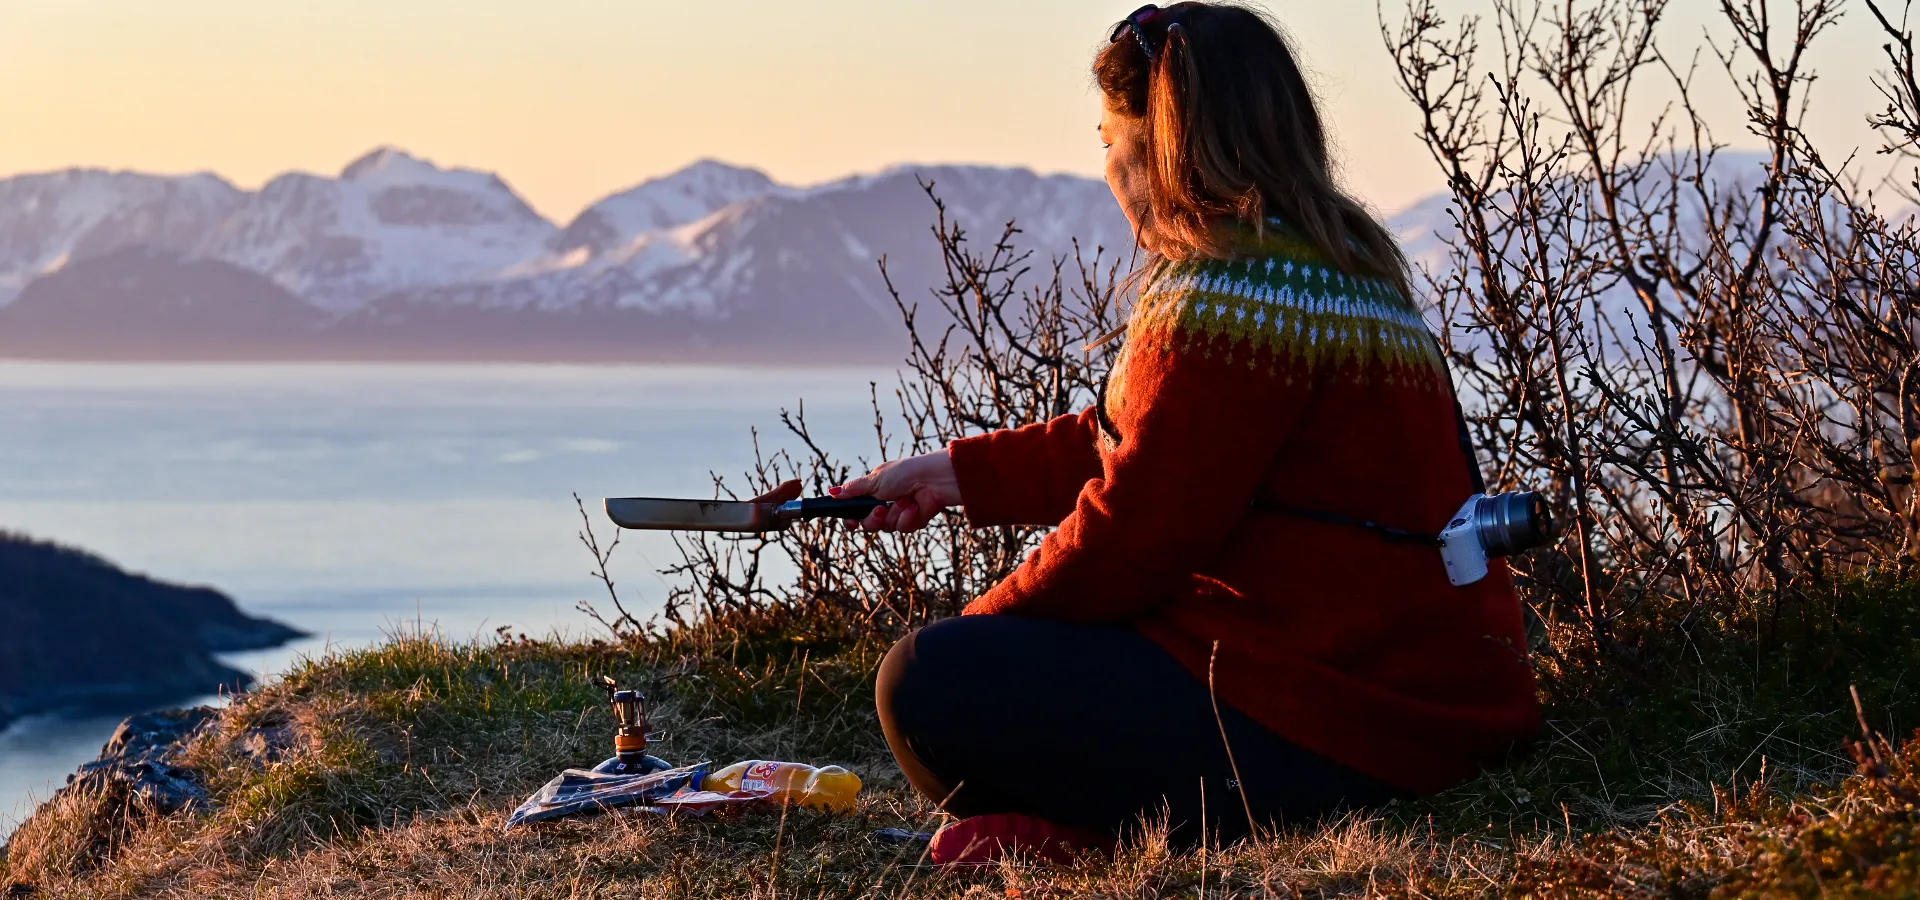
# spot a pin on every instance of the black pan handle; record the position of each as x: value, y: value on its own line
x: 827, y: 508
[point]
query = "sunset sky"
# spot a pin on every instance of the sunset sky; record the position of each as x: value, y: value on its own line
x: 572, y: 99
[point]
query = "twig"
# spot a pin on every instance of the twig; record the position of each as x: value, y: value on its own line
x: 1252, y: 826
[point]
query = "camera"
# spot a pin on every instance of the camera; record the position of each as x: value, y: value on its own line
x: 1489, y: 526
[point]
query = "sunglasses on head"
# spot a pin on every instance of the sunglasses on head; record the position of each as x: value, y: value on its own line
x: 1136, y: 24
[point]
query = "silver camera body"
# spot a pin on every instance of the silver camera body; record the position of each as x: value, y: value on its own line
x: 1490, y: 526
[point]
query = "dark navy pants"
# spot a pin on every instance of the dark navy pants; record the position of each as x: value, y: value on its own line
x: 1093, y: 726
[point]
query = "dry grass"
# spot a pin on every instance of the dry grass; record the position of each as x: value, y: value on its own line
x: 389, y: 771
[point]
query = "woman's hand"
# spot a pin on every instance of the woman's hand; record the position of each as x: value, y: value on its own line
x: 916, y: 489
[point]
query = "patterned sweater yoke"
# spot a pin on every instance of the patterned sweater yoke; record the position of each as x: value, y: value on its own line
x: 1282, y: 301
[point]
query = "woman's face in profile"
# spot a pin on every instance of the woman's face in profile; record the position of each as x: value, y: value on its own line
x: 1125, y: 139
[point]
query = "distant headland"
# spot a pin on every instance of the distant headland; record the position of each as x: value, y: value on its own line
x: 79, y: 634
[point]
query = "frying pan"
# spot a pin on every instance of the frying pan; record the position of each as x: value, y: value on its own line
x: 664, y: 514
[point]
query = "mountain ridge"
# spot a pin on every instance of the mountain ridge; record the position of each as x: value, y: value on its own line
x: 401, y: 258
x: 395, y: 257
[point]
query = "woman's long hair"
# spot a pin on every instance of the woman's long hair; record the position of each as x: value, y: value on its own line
x: 1233, y: 138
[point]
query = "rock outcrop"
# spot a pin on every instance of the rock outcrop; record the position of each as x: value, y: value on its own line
x: 143, y: 771
x: 139, y: 762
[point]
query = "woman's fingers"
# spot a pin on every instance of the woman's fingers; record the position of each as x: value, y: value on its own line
x: 897, y: 517
x: 900, y: 515
x: 919, y: 519
x: 868, y: 484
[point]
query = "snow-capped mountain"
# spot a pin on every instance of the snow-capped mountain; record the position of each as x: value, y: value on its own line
x: 689, y: 195
x: 775, y: 273
x: 399, y: 257
x: 390, y: 222
x: 48, y: 220
x: 1425, y: 229
x: 836, y: 231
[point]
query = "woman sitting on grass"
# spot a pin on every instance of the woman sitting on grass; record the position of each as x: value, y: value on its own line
x: 1185, y: 640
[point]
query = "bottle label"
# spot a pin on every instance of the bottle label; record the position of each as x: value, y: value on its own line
x: 759, y: 777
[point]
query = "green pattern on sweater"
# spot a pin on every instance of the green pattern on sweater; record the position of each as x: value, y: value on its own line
x: 1289, y: 307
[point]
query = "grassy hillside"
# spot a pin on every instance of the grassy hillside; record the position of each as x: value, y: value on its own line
x: 389, y: 771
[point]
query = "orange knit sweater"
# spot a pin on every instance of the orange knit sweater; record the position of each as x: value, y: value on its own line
x: 1274, y: 376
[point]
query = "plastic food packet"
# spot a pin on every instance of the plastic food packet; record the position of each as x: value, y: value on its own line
x: 694, y: 790
x: 579, y: 790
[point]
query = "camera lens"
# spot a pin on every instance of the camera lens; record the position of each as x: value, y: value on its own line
x: 1512, y: 522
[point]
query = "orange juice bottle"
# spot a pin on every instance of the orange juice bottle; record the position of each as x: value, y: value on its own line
x: 821, y: 787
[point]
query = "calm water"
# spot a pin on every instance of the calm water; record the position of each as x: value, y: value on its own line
x: 348, y: 500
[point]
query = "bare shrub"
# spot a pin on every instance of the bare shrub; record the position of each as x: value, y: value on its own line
x: 1707, y: 358
x: 1002, y: 345
x: 1710, y: 365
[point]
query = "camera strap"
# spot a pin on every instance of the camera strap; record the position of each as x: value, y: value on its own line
x: 1466, y: 440
x: 1390, y: 532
